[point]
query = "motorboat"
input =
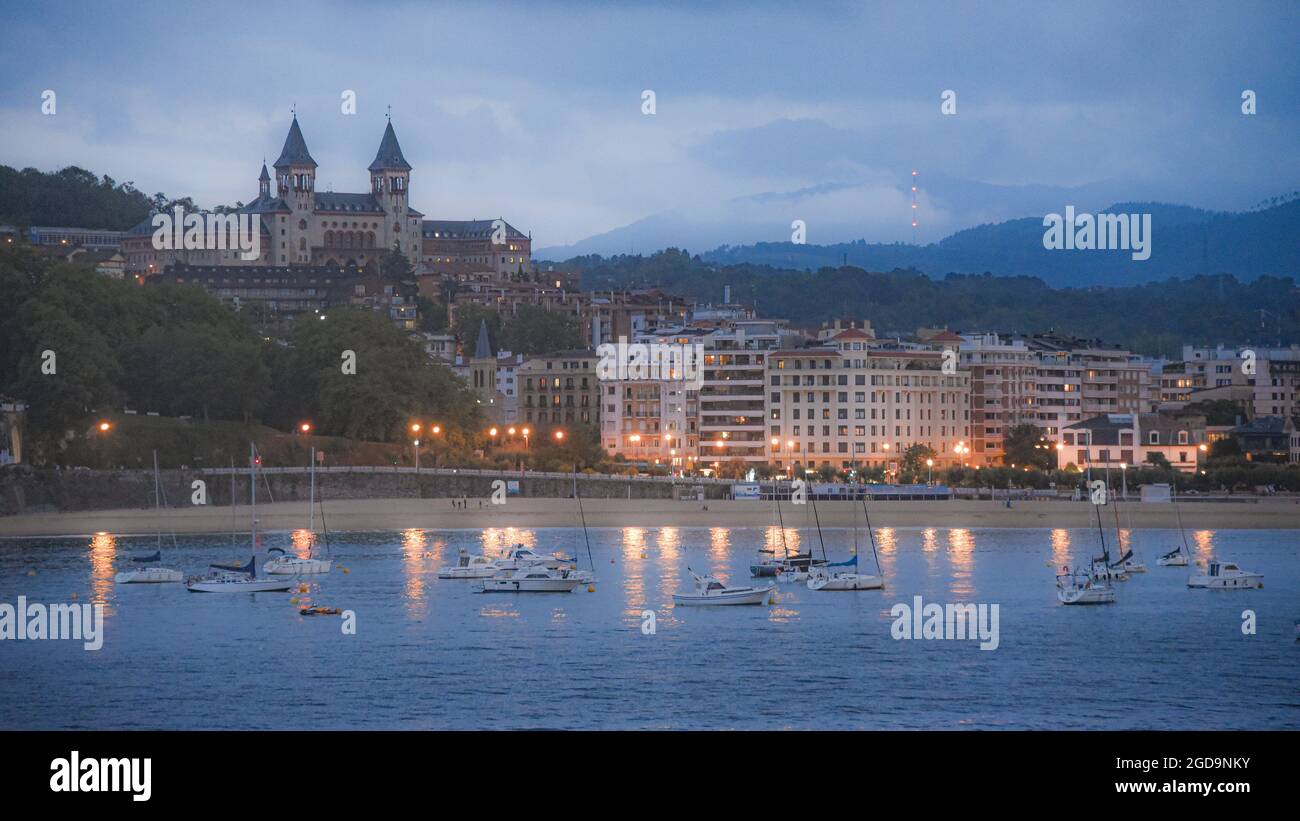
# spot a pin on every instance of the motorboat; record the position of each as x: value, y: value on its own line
x: 1080, y: 587
x: 231, y: 579
x: 709, y: 592
x: 520, y: 557
x: 469, y: 567
x: 1226, y: 576
x: 286, y: 565
x: 1132, y: 565
x: 530, y: 580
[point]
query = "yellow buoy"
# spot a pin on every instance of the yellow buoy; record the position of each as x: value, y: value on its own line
x: 591, y: 588
x: 643, y: 555
x: 345, y: 570
x: 293, y: 600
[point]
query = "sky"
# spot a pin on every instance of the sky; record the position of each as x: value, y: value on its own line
x: 764, y: 112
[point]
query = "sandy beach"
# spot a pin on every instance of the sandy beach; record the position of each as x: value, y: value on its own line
x: 399, y: 514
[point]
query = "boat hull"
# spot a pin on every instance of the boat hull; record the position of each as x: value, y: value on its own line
x: 1091, y: 595
x: 756, y: 595
x: 153, y: 575
x: 1172, y: 561
x: 763, y: 571
x: 297, y: 567
x: 468, y: 572
x: 846, y: 581
x: 529, y: 585
x: 1245, y: 581
x: 249, y: 586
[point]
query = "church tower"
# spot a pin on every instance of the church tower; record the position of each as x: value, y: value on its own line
x: 483, y: 374
x: 264, y: 184
x: 390, y: 183
x: 295, y: 180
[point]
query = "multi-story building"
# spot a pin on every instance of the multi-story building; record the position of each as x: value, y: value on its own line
x: 1003, y: 391
x: 558, y: 389
x: 857, y: 402
x: 1119, y: 441
x: 1077, y: 379
x: 652, y: 421
x: 733, y: 408
x: 93, y: 239
x: 301, y: 226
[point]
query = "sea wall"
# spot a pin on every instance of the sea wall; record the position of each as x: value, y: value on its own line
x: 25, y: 491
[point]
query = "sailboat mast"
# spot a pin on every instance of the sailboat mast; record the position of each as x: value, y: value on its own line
x: 813, y: 499
x: 1178, y: 513
x: 872, y: 537
x: 252, y: 486
x: 583, y: 515
x: 780, y: 520
x: 311, y: 501
x: 157, y: 498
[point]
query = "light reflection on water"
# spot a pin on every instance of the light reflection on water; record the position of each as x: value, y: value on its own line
x: 703, y: 667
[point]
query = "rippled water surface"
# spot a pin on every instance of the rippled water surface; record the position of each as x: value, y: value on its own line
x: 433, y: 654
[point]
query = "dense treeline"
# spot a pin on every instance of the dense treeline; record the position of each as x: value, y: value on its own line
x: 1154, y: 318
x: 179, y: 352
x: 71, y: 197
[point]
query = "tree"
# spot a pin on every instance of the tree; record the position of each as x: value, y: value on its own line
x: 1025, y: 445
x: 914, y: 458
x: 535, y: 330
x: 395, y: 266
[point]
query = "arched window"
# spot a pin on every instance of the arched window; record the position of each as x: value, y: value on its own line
x: 370, y: 239
x: 302, y: 225
x: 329, y: 239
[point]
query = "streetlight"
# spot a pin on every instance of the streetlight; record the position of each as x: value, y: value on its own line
x: 104, y: 426
x: 305, y: 427
x: 559, y: 436
x: 1123, y: 478
x: 929, y: 463
x: 525, y: 432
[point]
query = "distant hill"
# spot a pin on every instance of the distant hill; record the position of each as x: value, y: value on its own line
x: 1185, y: 242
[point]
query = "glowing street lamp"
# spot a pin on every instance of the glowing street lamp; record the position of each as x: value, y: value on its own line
x: 929, y: 463
x: 104, y: 426
x: 559, y: 436
x: 305, y: 427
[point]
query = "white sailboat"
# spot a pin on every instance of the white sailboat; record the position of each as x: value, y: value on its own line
x: 1179, y: 556
x: 284, y: 564
x: 241, y: 578
x: 1128, y: 561
x: 824, y: 578
x: 709, y: 592
x: 152, y: 573
x: 1091, y: 586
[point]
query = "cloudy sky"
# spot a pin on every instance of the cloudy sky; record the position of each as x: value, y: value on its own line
x: 764, y: 111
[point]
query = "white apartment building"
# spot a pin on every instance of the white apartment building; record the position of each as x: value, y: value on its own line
x: 1003, y: 390
x: 651, y: 421
x: 732, y: 399
x: 856, y: 402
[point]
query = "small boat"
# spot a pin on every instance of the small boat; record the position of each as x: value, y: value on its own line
x: 316, y: 610
x: 824, y: 578
x: 241, y: 578
x: 1079, y: 587
x: 1226, y: 576
x: 709, y: 592
x: 1132, y: 565
x: 521, y: 557
x: 237, y: 579
x: 149, y: 575
x: 154, y: 573
x: 469, y: 567
x: 1175, y: 558
x: 792, y: 576
x: 530, y: 580
x: 285, y: 565
x: 1178, y: 557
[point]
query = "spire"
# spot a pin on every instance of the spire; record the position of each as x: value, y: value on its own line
x: 483, y: 349
x: 295, y: 149
x: 264, y: 177
x: 389, y: 156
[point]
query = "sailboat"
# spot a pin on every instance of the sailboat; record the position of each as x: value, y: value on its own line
x: 1179, y: 556
x: 850, y: 579
x: 241, y: 578
x: 151, y: 572
x: 1091, y: 586
x: 1128, y: 563
x: 285, y: 565
x: 769, y: 567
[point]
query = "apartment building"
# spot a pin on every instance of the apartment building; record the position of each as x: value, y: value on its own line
x: 1078, y: 379
x: 651, y: 421
x: 1003, y: 391
x: 557, y: 389
x: 857, y: 402
x: 732, y: 399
